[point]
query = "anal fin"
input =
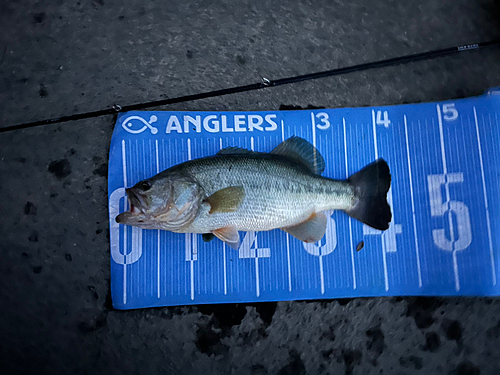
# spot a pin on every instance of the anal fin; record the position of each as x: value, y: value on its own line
x: 311, y: 230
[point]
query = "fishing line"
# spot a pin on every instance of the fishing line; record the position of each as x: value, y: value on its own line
x: 265, y: 83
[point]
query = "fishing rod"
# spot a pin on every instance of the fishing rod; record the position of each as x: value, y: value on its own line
x: 265, y: 83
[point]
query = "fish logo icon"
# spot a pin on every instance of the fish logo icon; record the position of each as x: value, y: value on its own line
x: 136, y: 124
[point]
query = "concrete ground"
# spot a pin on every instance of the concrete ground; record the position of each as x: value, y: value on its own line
x: 59, y: 58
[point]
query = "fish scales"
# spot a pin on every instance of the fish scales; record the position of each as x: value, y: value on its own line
x: 277, y: 193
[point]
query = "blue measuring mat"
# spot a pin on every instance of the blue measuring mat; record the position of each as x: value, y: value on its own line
x: 444, y: 238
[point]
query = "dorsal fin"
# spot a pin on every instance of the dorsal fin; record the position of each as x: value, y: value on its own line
x: 235, y: 151
x: 302, y: 152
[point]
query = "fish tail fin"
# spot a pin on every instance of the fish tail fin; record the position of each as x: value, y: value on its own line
x: 371, y: 185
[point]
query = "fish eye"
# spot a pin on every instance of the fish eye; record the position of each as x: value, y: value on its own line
x: 145, y: 185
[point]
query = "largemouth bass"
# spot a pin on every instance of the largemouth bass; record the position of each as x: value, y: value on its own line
x: 241, y: 190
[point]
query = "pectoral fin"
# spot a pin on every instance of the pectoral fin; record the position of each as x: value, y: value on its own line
x: 226, y: 200
x: 311, y: 230
x: 229, y: 235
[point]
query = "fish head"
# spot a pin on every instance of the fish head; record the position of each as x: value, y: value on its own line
x: 169, y: 202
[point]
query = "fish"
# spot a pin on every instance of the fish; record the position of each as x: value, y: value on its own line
x: 242, y: 190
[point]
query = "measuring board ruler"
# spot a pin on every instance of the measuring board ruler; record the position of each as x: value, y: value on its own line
x: 444, y: 238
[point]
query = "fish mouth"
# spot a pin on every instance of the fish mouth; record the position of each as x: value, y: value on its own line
x: 136, y: 201
x: 136, y: 212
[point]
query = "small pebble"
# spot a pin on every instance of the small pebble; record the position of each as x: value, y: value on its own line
x: 360, y: 245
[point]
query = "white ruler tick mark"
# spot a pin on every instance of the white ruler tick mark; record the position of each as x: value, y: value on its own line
x: 417, y: 252
x: 488, y: 224
x: 350, y: 220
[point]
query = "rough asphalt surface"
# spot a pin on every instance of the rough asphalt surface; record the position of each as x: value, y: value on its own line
x: 59, y: 58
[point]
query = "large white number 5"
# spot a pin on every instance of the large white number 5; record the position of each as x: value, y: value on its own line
x: 463, y: 238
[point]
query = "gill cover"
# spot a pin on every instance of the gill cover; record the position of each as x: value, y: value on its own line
x: 181, y: 204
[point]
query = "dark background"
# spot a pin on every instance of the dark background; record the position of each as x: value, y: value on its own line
x: 65, y: 57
